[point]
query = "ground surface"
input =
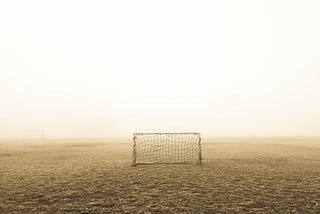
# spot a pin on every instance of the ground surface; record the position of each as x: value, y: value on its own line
x: 238, y: 175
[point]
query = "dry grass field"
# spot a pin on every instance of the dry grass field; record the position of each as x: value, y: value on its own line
x: 243, y: 175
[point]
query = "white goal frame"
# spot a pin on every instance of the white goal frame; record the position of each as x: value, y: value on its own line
x: 166, y: 148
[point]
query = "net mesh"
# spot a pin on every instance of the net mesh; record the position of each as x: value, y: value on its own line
x: 151, y: 148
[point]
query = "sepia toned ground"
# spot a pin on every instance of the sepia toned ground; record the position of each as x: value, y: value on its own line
x: 238, y: 175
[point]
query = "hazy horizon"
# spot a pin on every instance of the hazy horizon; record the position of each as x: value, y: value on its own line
x: 96, y: 69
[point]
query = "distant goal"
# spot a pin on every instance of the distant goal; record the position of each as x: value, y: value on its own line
x: 166, y: 148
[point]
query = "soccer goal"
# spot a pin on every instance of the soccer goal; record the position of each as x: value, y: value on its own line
x: 166, y: 148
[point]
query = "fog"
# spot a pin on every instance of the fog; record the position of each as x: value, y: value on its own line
x: 109, y: 68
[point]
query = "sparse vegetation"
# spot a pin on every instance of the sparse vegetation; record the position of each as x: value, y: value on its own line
x: 238, y: 175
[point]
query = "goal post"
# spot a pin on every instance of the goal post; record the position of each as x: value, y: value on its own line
x: 166, y: 148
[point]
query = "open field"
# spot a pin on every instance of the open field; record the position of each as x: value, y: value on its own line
x: 240, y: 175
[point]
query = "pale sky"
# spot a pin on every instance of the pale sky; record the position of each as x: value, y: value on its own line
x: 111, y: 68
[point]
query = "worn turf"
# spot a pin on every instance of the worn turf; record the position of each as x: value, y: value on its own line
x: 280, y: 175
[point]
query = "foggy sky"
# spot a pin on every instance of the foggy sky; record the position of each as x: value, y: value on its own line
x: 110, y: 68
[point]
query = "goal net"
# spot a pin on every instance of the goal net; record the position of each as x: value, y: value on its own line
x: 167, y: 148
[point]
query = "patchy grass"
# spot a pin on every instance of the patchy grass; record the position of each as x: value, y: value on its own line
x: 238, y: 175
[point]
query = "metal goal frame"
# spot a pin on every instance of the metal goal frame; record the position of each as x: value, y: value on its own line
x: 187, y: 146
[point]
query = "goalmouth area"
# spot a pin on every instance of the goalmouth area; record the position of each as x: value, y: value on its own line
x: 238, y: 175
x: 166, y: 148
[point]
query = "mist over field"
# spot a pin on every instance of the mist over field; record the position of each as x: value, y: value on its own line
x: 83, y: 69
x: 229, y: 91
